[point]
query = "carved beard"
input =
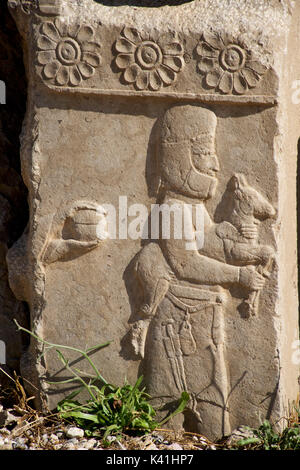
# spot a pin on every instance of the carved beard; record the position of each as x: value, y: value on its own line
x: 200, y: 185
x: 180, y: 175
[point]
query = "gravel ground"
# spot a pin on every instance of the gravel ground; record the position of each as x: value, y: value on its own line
x: 21, y: 429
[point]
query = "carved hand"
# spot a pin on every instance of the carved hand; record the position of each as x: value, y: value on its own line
x: 68, y: 249
x: 249, y: 277
x: 249, y: 231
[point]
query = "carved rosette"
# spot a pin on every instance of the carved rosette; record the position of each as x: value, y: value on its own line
x: 227, y: 65
x: 146, y: 63
x: 26, y: 5
x: 68, y: 54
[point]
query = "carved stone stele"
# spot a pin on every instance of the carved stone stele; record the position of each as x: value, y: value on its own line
x: 186, y: 111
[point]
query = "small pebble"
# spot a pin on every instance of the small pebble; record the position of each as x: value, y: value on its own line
x: 54, y: 438
x: 19, y: 443
x: 74, y: 440
x: 74, y: 432
x: 152, y: 447
x: 57, y: 446
x: 7, y: 418
x: 175, y: 446
x: 10, y: 418
x: 69, y: 446
x: 5, y: 432
x: 89, y: 444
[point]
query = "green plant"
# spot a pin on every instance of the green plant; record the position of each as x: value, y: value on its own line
x: 267, y: 439
x: 115, y: 410
x: 110, y: 409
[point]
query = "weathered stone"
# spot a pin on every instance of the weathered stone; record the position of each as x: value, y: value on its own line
x: 6, y: 444
x: 242, y: 432
x: 20, y: 443
x: 89, y: 444
x: 69, y: 446
x: 190, y: 106
x: 174, y: 446
x: 7, y: 418
x: 54, y: 438
x: 74, y: 432
x: 151, y: 446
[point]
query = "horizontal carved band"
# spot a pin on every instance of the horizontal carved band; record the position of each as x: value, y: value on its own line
x: 68, y: 54
x: 264, y: 100
x: 48, y: 7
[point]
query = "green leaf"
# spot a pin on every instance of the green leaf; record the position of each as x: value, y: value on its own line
x: 113, y: 427
x: 184, y: 399
x: 81, y: 415
x: 248, y: 441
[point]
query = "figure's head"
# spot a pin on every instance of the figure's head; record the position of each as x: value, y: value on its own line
x: 188, y: 158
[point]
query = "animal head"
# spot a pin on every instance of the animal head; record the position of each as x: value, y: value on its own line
x: 247, y: 201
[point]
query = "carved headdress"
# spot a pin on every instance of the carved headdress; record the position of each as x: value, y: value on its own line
x: 188, y: 122
x: 183, y: 126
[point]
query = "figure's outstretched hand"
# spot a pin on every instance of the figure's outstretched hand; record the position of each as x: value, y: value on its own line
x: 250, y: 278
x: 68, y: 249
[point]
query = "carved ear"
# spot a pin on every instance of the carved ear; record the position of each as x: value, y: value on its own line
x: 234, y: 182
x: 237, y: 181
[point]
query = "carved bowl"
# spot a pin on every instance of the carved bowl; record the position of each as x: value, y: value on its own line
x: 83, y: 225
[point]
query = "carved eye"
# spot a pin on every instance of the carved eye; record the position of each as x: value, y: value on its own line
x: 245, y: 207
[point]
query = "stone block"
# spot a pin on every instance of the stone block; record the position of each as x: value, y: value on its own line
x: 190, y: 110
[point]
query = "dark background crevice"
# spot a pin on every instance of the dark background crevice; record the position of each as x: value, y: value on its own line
x: 13, y: 193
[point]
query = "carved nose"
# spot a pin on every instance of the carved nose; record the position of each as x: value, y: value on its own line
x: 272, y: 211
x: 215, y: 164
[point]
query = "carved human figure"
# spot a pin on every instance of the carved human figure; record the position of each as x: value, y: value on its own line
x: 185, y: 290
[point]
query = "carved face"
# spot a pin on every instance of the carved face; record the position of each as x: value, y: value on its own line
x: 189, y: 171
x: 189, y: 163
x: 204, y: 159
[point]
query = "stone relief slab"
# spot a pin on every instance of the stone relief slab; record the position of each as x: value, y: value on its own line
x: 125, y: 113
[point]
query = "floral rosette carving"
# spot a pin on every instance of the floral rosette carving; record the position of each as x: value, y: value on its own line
x: 146, y: 63
x: 26, y: 5
x: 68, y: 54
x: 227, y: 65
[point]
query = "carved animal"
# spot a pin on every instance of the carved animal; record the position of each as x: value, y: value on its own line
x: 246, y: 206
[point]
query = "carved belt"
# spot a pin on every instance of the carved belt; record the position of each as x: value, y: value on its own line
x: 207, y: 298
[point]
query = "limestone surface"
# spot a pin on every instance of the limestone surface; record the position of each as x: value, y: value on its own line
x: 159, y: 151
